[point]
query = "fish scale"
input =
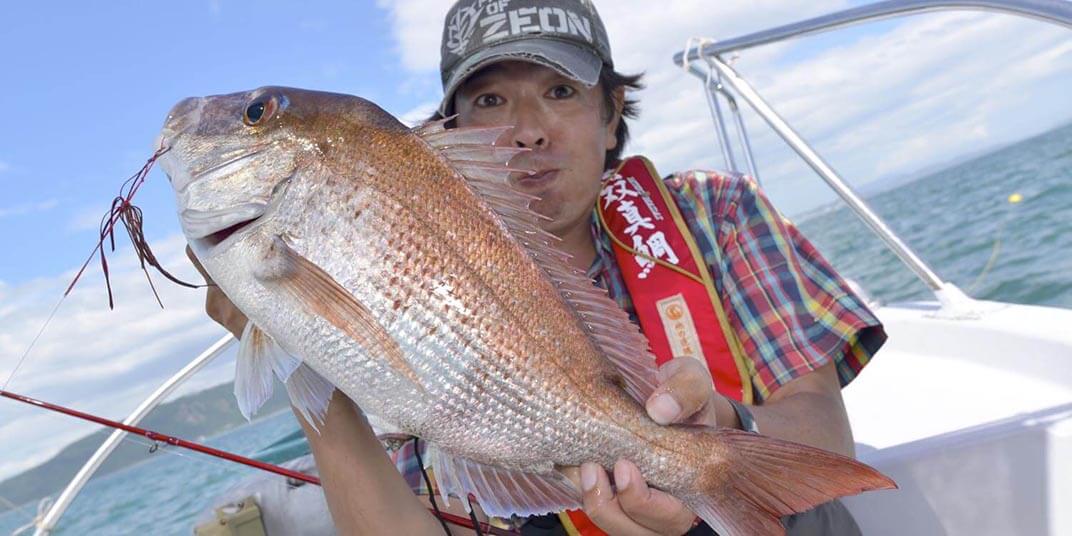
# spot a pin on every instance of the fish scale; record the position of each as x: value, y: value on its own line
x: 403, y: 270
x: 510, y: 421
x: 510, y: 405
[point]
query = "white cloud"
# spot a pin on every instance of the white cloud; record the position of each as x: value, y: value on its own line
x: 888, y: 102
x: 87, y: 218
x: 27, y: 208
x: 417, y: 27
x: 91, y: 358
x: 419, y: 113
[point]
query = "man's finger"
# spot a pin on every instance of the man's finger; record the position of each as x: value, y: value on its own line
x: 683, y: 395
x: 649, y: 507
x: 573, y: 473
x: 602, y: 507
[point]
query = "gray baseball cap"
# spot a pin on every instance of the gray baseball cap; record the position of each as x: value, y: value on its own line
x: 565, y: 35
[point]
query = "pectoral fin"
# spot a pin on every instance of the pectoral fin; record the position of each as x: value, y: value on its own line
x: 324, y: 297
x: 259, y: 358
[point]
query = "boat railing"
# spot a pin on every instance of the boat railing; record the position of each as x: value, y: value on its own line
x: 705, y: 59
x: 57, y: 509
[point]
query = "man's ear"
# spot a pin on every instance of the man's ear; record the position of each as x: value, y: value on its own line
x: 618, y: 97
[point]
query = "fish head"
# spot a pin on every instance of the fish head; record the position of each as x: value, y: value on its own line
x: 231, y: 158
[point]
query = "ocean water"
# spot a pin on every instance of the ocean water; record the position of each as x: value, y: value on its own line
x: 165, y: 494
x: 960, y: 221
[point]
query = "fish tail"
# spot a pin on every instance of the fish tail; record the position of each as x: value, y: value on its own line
x: 763, y: 479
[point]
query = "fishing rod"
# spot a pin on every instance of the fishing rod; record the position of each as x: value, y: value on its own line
x: 224, y: 455
x: 164, y: 438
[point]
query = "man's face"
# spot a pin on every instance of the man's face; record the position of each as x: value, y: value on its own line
x: 560, y: 119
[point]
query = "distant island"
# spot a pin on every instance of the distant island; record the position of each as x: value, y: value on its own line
x: 193, y: 417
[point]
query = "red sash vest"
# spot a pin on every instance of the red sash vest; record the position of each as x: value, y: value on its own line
x: 671, y: 287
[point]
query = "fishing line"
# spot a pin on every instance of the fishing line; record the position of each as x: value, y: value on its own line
x: 33, y: 342
x: 126, y: 192
x: 428, y: 482
x: 131, y: 217
x: 129, y: 188
x: 1013, y: 199
x: 15, y: 507
x: 42, y: 508
x: 472, y: 517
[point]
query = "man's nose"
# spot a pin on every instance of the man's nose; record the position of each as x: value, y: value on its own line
x: 530, y: 131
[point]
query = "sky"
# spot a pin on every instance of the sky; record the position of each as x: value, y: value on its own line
x: 86, y: 85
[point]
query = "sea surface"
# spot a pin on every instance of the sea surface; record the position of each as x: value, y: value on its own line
x: 963, y: 224
x: 961, y: 221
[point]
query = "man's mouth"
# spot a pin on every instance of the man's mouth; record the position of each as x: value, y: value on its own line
x: 537, y: 179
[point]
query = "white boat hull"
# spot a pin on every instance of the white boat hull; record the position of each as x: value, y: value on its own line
x: 972, y: 418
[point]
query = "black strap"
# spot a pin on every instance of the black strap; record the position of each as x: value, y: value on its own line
x: 428, y: 482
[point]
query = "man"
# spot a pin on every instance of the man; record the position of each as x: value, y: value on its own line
x: 545, y: 68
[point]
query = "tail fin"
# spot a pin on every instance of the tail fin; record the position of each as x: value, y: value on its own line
x: 765, y: 479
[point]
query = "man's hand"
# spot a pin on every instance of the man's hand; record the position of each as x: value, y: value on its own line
x: 684, y: 395
x: 217, y: 304
x: 636, y: 510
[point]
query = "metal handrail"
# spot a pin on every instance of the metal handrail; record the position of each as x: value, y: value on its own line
x: 851, y: 198
x: 1055, y: 11
x: 75, y: 485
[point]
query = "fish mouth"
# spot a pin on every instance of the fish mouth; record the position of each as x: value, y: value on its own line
x: 213, y: 229
x: 218, y: 237
x: 209, y: 229
x: 224, y: 231
x: 204, y: 223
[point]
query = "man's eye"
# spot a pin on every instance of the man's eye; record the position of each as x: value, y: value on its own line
x: 487, y: 100
x: 562, y: 92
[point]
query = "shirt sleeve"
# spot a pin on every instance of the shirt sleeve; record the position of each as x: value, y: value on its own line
x: 790, y: 308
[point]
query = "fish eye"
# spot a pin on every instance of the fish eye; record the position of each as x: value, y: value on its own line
x: 259, y: 111
x: 254, y: 112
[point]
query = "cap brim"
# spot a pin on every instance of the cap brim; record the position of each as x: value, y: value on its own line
x: 570, y: 60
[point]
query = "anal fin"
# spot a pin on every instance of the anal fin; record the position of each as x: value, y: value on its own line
x: 310, y: 393
x: 503, y: 492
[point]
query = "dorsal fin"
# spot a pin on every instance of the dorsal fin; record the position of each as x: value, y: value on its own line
x: 429, y: 128
x: 466, y: 136
x: 487, y: 170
